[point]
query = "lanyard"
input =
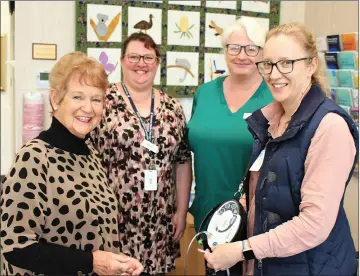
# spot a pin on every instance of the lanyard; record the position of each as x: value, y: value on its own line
x: 148, y: 134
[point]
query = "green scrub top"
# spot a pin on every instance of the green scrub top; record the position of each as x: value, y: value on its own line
x: 221, y: 143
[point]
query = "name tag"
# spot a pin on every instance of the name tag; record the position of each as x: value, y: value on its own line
x: 150, y: 146
x: 246, y: 115
x: 255, y: 167
x: 150, y: 180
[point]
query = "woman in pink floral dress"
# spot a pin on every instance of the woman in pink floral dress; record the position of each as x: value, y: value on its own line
x: 143, y: 145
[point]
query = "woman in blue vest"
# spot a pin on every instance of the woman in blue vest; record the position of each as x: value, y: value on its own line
x: 303, y: 157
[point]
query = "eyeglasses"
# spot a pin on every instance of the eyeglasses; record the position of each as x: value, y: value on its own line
x: 135, y: 58
x: 250, y: 50
x: 283, y: 66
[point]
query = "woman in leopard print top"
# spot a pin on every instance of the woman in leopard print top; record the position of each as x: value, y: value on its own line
x: 58, y: 213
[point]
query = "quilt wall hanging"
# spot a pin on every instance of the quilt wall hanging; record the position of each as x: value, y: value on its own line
x: 187, y: 32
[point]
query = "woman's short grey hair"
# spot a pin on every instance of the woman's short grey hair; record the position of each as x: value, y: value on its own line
x: 253, y: 28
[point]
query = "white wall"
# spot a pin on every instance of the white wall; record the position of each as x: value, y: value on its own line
x: 335, y: 17
x: 292, y: 11
x: 5, y: 17
x: 322, y: 17
x: 39, y: 22
x: 7, y: 97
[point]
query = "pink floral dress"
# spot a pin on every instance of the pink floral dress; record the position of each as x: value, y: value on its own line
x: 145, y: 219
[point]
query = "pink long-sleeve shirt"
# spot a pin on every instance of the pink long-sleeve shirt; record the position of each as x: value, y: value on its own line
x: 327, y: 166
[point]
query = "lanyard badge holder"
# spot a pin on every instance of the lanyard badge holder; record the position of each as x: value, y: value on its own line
x: 151, y: 173
x: 227, y: 222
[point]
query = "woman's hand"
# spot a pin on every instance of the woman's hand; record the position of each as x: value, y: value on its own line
x: 179, y: 221
x: 107, y: 263
x: 135, y: 267
x: 224, y: 256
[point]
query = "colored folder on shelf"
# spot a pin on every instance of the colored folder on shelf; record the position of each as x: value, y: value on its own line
x: 349, y: 41
x: 344, y: 97
x: 356, y: 78
x: 347, y: 60
x: 346, y: 78
x: 331, y: 60
x: 334, y: 43
x: 332, y: 78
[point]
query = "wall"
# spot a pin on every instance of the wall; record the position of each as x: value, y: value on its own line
x: 332, y: 17
x: 292, y: 11
x: 5, y: 17
x: 7, y: 97
x: 40, y: 22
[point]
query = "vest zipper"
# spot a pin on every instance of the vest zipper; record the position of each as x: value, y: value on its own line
x: 260, y: 267
x: 260, y: 264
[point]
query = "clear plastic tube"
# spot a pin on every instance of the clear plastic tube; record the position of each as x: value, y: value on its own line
x: 208, y: 234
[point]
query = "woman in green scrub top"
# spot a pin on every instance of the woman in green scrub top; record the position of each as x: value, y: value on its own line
x: 218, y: 133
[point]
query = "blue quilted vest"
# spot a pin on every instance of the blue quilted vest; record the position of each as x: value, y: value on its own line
x: 277, y: 196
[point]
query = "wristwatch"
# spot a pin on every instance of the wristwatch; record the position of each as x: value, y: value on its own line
x: 248, y: 253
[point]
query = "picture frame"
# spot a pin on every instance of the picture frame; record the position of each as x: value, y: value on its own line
x: 44, y: 51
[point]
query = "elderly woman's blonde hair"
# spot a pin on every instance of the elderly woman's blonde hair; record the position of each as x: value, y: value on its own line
x: 306, y: 39
x: 254, y: 30
x: 78, y: 65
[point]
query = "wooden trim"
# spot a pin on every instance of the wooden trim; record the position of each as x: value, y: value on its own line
x: 4, y: 50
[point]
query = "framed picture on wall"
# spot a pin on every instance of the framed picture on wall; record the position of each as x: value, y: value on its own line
x: 145, y: 20
x: 110, y: 58
x: 215, y: 23
x: 104, y: 23
x: 183, y: 28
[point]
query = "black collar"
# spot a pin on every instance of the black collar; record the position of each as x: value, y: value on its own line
x: 310, y: 103
x: 60, y: 137
x: 308, y: 106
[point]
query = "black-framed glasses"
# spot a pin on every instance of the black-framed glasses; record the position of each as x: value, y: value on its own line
x: 285, y: 66
x: 250, y: 50
x: 135, y: 58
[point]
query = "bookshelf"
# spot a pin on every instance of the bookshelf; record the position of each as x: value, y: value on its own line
x: 339, y: 55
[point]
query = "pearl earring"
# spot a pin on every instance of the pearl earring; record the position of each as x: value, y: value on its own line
x: 55, y: 108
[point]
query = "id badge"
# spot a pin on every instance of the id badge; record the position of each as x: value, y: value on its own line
x: 255, y: 167
x: 246, y: 115
x: 150, y: 180
x: 150, y: 146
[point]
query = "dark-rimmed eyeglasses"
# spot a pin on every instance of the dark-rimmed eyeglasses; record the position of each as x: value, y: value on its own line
x: 135, y: 58
x: 285, y: 66
x: 235, y: 49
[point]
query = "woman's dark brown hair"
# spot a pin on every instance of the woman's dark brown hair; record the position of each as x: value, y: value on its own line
x: 146, y: 39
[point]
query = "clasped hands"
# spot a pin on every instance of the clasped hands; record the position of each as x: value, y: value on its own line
x: 107, y: 263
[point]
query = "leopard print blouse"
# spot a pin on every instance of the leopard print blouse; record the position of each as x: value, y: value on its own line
x: 57, y: 197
